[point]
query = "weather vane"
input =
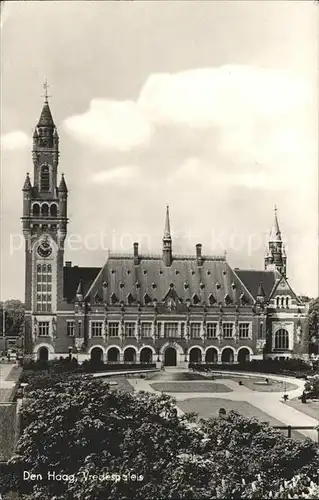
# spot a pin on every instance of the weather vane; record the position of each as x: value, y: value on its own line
x: 46, y: 86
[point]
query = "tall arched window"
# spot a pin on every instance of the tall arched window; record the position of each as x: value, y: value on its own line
x: 45, y: 209
x: 277, y: 302
x: 282, y: 339
x: 53, y: 210
x: 45, y: 178
x: 282, y: 301
x: 36, y: 209
x: 287, y: 302
x: 44, y: 288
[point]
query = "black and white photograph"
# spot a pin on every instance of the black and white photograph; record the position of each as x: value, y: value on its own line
x: 159, y: 303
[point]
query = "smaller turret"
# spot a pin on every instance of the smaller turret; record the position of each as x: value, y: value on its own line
x: 63, y: 196
x: 27, y: 194
x: 27, y: 183
x: 275, y: 258
x: 62, y: 185
x: 79, y: 292
x: 261, y: 294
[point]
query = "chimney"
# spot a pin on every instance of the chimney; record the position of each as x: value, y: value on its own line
x: 68, y: 263
x: 199, y: 254
x: 136, y: 258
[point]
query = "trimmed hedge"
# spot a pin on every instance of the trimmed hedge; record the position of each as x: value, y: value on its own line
x: 295, y: 367
x: 65, y: 365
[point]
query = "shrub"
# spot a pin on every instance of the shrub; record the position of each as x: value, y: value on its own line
x: 312, y: 387
x: 77, y: 424
x: 294, y: 367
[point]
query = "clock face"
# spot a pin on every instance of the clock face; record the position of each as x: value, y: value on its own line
x: 44, y: 249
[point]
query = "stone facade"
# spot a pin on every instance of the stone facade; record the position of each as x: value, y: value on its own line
x: 168, y: 309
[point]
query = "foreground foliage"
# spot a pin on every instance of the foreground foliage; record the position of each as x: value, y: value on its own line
x: 79, y: 427
x: 312, y: 387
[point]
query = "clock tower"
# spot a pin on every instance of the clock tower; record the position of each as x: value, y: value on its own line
x: 44, y: 227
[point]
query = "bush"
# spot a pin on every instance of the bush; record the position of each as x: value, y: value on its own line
x: 312, y: 387
x: 64, y: 365
x: 77, y: 424
x: 293, y: 367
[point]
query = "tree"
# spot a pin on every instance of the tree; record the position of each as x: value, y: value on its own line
x: 313, y: 323
x: 14, y: 317
x: 80, y: 427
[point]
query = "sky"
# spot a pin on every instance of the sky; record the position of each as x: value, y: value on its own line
x: 209, y: 107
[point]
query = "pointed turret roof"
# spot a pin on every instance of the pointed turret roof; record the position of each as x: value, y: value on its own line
x: 46, y: 119
x: 261, y: 291
x: 62, y: 185
x: 167, y: 229
x: 275, y: 233
x: 27, y: 183
x: 79, y: 290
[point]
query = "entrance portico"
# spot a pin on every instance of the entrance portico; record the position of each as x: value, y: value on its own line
x: 172, y: 354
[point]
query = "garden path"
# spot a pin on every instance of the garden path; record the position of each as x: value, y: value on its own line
x: 269, y: 402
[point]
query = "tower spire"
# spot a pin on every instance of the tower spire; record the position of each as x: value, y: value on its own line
x: 167, y: 229
x: 275, y: 233
x: 275, y: 256
x: 167, y: 241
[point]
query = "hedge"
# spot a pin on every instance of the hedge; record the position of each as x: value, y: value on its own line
x: 294, y: 367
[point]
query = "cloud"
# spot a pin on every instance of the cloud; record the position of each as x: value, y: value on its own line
x: 224, y: 96
x: 111, y: 125
x: 253, y: 113
x: 120, y: 175
x: 14, y: 140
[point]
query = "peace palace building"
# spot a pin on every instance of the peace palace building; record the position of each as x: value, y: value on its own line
x: 166, y: 309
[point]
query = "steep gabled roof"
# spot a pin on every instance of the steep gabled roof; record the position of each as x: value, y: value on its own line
x: 152, y: 279
x: 252, y: 279
x: 285, y: 281
x: 72, y: 276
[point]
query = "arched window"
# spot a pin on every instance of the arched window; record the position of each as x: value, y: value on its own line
x: 36, y: 209
x: 282, y: 301
x: 282, y: 339
x: 45, y: 178
x: 53, y: 210
x: 45, y: 210
x: 44, y: 288
x: 287, y: 302
x: 277, y: 302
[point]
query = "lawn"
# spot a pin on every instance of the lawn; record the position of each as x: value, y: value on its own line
x: 209, y: 407
x: 189, y: 387
x: 175, y: 377
x: 311, y: 408
x: 259, y: 384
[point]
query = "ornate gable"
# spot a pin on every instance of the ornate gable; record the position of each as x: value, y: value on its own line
x: 282, y: 287
x: 171, y: 300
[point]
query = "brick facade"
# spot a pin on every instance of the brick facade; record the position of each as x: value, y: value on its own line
x: 167, y: 308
